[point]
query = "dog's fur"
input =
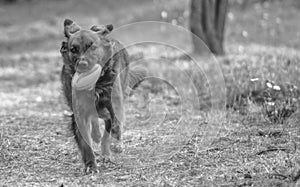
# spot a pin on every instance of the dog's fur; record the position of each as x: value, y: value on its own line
x: 96, y: 47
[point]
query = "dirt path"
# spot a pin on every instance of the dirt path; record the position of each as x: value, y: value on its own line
x: 37, y: 148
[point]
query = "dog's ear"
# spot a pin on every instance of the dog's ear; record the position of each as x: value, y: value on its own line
x: 70, y: 27
x: 102, y: 30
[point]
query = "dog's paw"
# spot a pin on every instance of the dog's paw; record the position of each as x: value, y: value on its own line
x: 106, y: 162
x: 116, y: 147
x: 116, y: 132
x: 91, y: 169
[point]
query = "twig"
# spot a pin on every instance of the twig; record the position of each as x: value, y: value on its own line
x: 272, y: 149
x: 276, y: 175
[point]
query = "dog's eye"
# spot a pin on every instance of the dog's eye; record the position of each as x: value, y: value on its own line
x: 74, y: 50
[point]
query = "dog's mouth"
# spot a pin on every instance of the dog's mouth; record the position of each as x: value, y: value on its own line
x: 81, y: 69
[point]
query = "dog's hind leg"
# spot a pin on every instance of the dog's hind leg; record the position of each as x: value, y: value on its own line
x: 96, y: 132
x: 105, y: 141
x: 118, y: 116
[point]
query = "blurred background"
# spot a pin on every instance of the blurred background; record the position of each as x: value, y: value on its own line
x: 252, y: 39
x: 36, y: 25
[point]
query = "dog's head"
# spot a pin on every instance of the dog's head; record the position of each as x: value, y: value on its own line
x: 87, y: 47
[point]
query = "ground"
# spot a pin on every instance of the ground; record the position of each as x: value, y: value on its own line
x: 176, y: 144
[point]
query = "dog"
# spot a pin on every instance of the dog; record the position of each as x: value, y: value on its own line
x: 94, y: 46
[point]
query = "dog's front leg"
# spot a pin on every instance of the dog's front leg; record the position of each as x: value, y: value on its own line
x: 87, y: 152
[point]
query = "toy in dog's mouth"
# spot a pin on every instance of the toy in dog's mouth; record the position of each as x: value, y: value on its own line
x: 86, y: 80
x: 83, y: 104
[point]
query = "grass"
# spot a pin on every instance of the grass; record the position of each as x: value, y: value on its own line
x: 167, y: 142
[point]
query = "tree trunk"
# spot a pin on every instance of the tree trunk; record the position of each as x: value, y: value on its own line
x: 207, y: 22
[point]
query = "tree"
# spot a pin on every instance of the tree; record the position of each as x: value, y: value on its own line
x: 207, y: 21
